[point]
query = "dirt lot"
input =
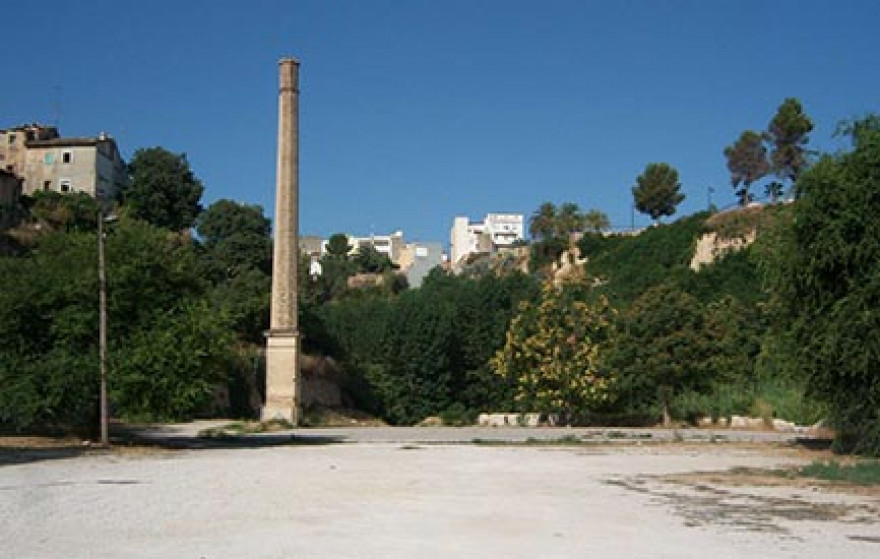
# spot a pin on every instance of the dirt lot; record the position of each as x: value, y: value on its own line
x: 408, y: 499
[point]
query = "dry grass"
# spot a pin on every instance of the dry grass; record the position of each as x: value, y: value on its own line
x: 740, y: 222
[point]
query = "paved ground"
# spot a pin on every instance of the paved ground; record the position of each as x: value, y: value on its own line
x: 405, y: 499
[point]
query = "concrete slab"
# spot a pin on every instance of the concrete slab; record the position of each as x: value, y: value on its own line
x: 390, y: 500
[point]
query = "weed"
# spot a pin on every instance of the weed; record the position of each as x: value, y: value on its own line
x: 866, y: 472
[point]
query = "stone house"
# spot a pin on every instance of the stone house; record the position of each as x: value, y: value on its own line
x: 46, y: 162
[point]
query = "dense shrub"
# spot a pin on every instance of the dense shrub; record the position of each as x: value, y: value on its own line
x: 826, y: 276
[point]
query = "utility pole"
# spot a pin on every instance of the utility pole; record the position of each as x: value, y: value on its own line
x: 102, y: 331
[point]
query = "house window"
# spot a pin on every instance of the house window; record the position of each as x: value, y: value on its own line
x: 66, y: 157
x: 65, y: 185
x: 11, y: 139
x: 47, y: 185
x: 49, y: 158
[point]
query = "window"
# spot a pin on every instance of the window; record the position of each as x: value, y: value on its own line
x: 49, y: 158
x: 66, y: 157
x: 65, y: 185
x: 11, y: 139
x: 47, y: 185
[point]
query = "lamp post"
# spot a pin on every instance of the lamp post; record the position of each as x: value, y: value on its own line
x: 102, y: 331
x: 632, y: 217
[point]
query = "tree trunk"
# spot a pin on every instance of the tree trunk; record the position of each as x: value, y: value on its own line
x: 667, y: 420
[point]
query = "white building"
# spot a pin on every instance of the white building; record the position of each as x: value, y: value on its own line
x: 389, y: 245
x: 495, y: 233
x: 415, y: 259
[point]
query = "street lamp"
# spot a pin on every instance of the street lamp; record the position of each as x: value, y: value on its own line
x: 102, y: 326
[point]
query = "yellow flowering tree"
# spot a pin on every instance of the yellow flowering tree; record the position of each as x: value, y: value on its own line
x: 553, y: 352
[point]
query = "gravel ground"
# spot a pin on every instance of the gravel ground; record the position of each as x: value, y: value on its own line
x: 403, y: 499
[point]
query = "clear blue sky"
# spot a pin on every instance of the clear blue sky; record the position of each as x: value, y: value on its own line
x: 413, y: 112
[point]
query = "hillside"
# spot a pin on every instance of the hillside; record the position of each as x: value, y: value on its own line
x: 625, y: 266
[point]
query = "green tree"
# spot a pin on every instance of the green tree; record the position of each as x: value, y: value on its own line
x: 553, y: 354
x: 662, y: 349
x: 787, y: 135
x: 418, y: 351
x: 825, y: 272
x: 426, y: 351
x: 48, y: 335
x: 64, y: 212
x: 163, y: 189
x: 596, y: 221
x: 550, y: 229
x: 332, y: 284
x: 657, y: 191
x: 166, y: 341
x: 542, y: 223
x: 237, y: 252
x: 482, y: 309
x: 170, y: 370
x: 569, y: 220
x: 544, y: 253
x: 371, y: 261
x: 337, y: 246
x: 149, y: 270
x: 336, y: 267
x: 747, y: 163
x: 236, y: 237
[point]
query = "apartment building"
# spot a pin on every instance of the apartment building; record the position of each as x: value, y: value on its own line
x: 497, y: 232
x: 413, y: 259
x: 389, y: 245
x: 417, y: 259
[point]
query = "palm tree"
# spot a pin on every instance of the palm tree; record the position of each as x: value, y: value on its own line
x: 543, y: 222
x: 596, y: 221
x: 570, y: 219
x: 774, y: 191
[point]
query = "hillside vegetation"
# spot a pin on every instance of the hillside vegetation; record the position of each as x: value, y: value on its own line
x: 472, y: 343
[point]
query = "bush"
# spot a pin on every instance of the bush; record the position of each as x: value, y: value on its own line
x: 629, y: 265
x: 825, y: 272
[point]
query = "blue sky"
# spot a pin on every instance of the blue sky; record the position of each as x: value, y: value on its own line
x: 413, y: 112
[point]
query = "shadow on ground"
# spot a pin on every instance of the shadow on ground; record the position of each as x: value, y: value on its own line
x: 25, y: 453
x: 170, y: 438
x: 130, y: 440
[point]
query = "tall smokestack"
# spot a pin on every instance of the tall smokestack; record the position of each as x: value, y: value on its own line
x: 282, y: 340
